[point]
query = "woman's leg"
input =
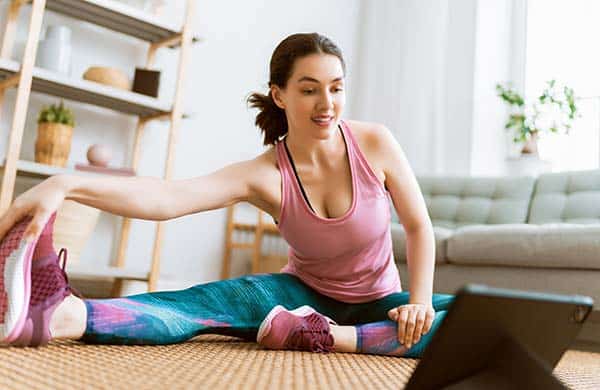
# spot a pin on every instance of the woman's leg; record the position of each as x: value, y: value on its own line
x: 230, y: 307
x: 377, y: 334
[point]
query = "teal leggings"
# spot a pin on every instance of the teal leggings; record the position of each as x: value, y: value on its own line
x: 234, y: 307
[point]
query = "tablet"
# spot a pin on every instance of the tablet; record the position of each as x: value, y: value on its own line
x: 501, y: 338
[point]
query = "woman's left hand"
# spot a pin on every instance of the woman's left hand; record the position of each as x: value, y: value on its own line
x: 413, y: 319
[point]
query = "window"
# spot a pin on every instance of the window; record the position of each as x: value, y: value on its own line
x: 561, y: 45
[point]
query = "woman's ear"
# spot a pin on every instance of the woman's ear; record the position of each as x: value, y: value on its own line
x: 276, y: 95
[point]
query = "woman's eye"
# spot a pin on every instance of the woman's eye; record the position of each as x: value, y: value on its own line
x: 309, y: 91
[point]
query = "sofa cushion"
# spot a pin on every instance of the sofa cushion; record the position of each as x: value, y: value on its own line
x: 454, y: 201
x: 572, y: 197
x: 574, y: 246
x: 399, y: 243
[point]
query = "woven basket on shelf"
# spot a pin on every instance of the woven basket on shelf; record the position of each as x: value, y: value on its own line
x: 75, y: 222
x: 53, y: 143
x: 108, y: 76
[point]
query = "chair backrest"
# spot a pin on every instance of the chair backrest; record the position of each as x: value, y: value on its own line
x: 454, y: 201
x: 270, y: 254
x: 568, y: 197
x: 259, y: 235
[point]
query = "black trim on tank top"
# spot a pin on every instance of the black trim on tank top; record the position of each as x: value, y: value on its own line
x: 296, y: 173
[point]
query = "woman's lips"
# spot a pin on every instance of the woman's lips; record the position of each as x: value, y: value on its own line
x: 322, y: 121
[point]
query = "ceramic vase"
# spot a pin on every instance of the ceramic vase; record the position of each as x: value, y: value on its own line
x: 54, y: 51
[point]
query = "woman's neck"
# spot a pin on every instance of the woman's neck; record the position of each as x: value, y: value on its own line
x: 310, y: 150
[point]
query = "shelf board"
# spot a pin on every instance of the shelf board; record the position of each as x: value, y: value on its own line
x: 116, y: 16
x: 36, y: 170
x: 86, y: 271
x: 84, y: 91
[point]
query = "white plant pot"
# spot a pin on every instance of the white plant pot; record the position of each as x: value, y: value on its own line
x: 527, y: 165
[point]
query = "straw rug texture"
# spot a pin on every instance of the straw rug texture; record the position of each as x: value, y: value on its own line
x: 219, y: 362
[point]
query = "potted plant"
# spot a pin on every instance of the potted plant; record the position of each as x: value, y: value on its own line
x: 55, y: 130
x: 552, y: 112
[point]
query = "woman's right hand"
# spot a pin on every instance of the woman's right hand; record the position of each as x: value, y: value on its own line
x: 39, y: 202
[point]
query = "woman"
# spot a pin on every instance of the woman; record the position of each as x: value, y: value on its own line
x: 325, y: 181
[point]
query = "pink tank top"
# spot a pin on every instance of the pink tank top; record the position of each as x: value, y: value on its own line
x: 348, y: 258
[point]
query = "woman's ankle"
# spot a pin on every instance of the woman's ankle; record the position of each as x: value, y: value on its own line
x: 69, y: 319
x: 344, y: 338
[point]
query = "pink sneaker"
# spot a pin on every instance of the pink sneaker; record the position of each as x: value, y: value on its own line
x: 15, y: 280
x: 301, y: 329
x: 49, y: 287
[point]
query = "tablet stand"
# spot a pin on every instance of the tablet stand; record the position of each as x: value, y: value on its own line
x: 509, y: 366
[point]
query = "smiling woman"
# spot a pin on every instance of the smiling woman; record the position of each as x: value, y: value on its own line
x: 325, y: 180
x: 289, y: 56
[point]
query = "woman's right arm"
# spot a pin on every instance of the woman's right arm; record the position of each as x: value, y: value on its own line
x: 149, y: 198
x: 158, y: 199
x: 142, y: 197
x: 135, y: 197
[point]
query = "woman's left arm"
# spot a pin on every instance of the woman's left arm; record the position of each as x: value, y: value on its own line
x: 416, y: 317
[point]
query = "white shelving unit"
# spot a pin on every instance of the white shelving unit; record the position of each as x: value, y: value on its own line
x: 27, y: 78
x: 84, y: 91
x: 118, y: 17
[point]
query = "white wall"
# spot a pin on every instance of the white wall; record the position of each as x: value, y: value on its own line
x: 233, y: 61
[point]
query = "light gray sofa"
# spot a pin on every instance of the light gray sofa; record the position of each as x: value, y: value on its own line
x: 518, y: 232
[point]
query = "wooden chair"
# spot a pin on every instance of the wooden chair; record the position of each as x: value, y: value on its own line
x: 259, y: 231
x: 264, y: 260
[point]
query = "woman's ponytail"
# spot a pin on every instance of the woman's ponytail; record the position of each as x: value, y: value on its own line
x: 270, y: 119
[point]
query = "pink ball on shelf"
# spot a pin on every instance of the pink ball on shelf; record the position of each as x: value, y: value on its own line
x: 99, y: 155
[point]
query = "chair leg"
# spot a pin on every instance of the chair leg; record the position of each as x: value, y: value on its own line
x: 226, y: 266
x: 258, y: 235
x: 117, y: 288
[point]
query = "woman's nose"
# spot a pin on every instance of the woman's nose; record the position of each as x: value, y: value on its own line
x: 326, y: 100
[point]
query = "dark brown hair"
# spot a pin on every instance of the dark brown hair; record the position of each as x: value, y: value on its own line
x: 271, y: 119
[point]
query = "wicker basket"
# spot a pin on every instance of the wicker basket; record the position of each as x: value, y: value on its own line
x: 75, y: 222
x: 108, y: 76
x: 53, y: 143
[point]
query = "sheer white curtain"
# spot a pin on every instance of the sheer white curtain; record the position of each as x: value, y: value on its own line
x: 401, y: 75
x: 428, y: 70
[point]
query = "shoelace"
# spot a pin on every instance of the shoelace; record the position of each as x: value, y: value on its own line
x: 64, y: 273
x: 312, y: 336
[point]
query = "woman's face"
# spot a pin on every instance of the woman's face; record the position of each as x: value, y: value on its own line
x: 314, y: 96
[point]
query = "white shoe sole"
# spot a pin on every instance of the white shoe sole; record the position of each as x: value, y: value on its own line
x: 17, y: 285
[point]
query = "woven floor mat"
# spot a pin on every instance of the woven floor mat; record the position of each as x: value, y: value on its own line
x: 219, y: 362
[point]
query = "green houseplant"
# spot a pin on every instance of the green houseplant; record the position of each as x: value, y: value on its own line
x: 55, y: 131
x: 552, y: 112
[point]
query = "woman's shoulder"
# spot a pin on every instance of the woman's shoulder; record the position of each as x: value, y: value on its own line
x: 371, y: 136
x: 265, y: 164
x: 267, y: 160
x: 265, y: 181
